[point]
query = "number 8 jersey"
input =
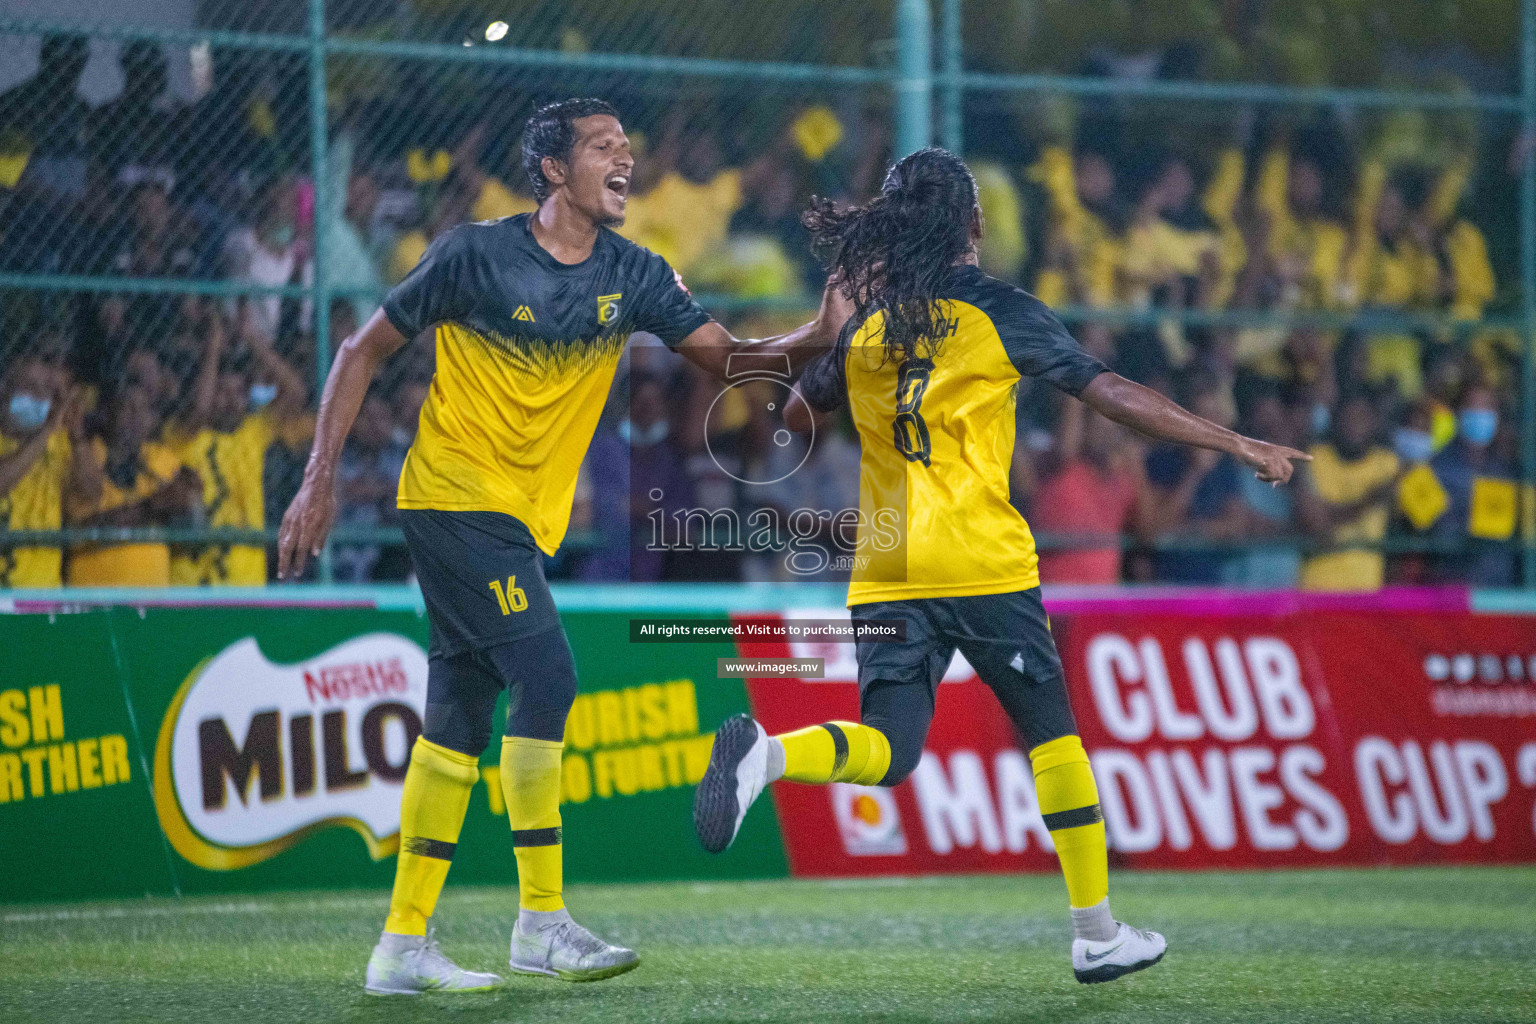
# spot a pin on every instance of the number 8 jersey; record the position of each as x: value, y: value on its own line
x: 937, y: 434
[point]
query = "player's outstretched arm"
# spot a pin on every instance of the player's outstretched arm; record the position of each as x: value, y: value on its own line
x: 724, y: 356
x: 309, y: 517
x: 1143, y: 409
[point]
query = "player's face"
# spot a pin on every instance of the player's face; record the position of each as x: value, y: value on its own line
x: 601, y: 165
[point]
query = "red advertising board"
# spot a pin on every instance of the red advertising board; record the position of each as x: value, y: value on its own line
x: 1264, y: 736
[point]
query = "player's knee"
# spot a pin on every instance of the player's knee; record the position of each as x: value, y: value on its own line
x: 459, y: 726
x: 542, y: 674
x: 906, y: 751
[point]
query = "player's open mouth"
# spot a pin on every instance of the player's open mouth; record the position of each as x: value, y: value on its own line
x: 619, y: 186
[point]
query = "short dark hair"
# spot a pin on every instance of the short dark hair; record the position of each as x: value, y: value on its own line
x: 551, y: 131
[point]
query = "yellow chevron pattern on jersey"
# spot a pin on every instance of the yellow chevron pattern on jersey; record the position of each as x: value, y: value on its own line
x: 506, y: 425
x: 937, y: 436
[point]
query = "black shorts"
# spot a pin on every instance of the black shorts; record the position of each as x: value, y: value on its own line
x: 1006, y: 638
x: 482, y: 577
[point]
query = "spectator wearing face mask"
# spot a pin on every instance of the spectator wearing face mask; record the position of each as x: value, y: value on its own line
x: 1479, y: 482
x: 1414, y: 439
x: 267, y: 254
x: 240, y: 406
x: 1345, y: 501
x: 143, y: 485
x: 44, y: 460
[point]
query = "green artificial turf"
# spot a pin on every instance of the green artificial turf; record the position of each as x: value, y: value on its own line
x: 1448, y: 944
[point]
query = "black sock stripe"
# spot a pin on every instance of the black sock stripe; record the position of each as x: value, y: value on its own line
x: 1075, y: 817
x: 536, y: 836
x: 839, y: 746
x: 423, y: 847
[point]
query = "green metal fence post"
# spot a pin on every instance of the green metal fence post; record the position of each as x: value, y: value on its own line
x: 320, y: 295
x: 950, y: 51
x: 914, y: 76
x: 1528, y: 274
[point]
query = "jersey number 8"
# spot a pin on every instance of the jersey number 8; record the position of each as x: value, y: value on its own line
x: 911, y: 432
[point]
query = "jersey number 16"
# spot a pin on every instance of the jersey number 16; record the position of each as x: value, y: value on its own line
x: 512, y: 599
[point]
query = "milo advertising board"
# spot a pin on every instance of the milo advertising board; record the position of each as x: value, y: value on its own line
x: 239, y: 749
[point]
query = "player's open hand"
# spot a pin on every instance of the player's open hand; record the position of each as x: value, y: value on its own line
x: 1272, y: 462
x: 305, y: 525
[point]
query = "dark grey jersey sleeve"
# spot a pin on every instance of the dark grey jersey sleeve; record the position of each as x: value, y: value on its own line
x: 824, y: 381
x: 666, y: 308
x: 434, y: 291
x: 1038, y: 344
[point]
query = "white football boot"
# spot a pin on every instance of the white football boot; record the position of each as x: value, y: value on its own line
x: 1129, y: 951
x: 737, y: 773
x: 408, y: 965
x: 564, y: 949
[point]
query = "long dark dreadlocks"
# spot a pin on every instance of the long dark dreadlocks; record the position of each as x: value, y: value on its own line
x: 894, y: 253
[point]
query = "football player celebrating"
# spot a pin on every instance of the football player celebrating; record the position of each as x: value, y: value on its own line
x: 531, y: 314
x: 929, y: 366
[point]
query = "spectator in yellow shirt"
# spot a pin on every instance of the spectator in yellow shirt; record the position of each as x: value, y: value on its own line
x: 1173, y: 250
x: 1304, y: 236
x: 44, y: 458
x: 240, y: 404
x: 1394, y: 264
x: 143, y: 485
x: 688, y: 212
x: 1391, y: 261
x: 1083, y: 248
x: 1346, y: 499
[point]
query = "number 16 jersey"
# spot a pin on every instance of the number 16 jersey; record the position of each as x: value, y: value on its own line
x: 937, y: 434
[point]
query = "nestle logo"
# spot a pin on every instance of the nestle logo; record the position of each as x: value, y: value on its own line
x: 356, y: 680
x: 1466, y: 667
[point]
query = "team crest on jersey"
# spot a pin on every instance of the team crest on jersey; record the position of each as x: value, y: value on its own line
x: 608, y: 307
x: 523, y: 313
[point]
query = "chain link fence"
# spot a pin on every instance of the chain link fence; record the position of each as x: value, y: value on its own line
x: 198, y: 198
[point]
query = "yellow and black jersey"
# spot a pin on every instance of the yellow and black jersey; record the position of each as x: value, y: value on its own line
x: 526, y: 349
x: 231, y: 465
x: 35, y: 503
x: 937, y: 434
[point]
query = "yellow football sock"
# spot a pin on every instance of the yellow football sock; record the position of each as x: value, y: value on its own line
x: 530, y: 780
x: 1069, y: 803
x: 836, y: 752
x: 432, y: 807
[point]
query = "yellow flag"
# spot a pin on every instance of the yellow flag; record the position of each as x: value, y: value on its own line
x: 12, y: 164
x: 1493, y: 509
x: 1421, y: 497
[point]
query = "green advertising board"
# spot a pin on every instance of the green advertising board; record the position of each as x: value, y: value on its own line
x: 233, y: 749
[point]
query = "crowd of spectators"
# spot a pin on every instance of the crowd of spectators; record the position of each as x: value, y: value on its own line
x: 139, y: 407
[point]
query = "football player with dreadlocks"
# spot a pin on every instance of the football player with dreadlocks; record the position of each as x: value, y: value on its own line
x: 929, y: 365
